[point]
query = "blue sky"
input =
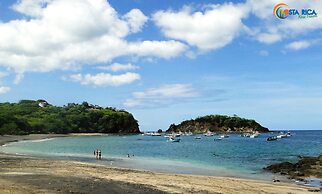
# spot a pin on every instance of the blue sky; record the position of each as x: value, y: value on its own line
x: 166, y: 62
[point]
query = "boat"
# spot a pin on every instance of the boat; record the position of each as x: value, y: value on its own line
x: 156, y: 134
x: 188, y: 133
x: 224, y: 136
x: 282, y: 136
x: 245, y: 135
x: 272, y: 138
x: 198, y: 137
x: 218, y: 139
x: 255, y: 135
x: 151, y: 134
x: 173, y: 140
x: 288, y: 134
x: 209, y: 134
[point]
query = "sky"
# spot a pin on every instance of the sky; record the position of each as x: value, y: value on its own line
x: 166, y: 61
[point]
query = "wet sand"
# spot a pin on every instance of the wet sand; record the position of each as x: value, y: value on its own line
x: 24, y: 174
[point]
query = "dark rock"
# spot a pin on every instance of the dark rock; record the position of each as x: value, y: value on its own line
x: 305, y: 167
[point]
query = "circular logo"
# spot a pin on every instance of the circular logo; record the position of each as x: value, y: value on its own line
x: 281, y: 11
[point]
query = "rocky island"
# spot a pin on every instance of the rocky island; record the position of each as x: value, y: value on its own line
x: 218, y: 123
x: 30, y: 117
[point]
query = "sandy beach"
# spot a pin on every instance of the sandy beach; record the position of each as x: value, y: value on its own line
x: 24, y: 174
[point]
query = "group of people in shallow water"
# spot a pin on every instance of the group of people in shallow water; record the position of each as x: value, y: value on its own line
x: 98, y: 154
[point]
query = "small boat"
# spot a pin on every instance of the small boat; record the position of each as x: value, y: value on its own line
x: 209, y: 134
x: 175, y: 134
x: 224, y: 136
x: 218, y: 139
x: 255, y: 135
x: 155, y: 134
x: 281, y: 136
x: 288, y: 134
x: 273, y: 138
x: 198, y: 137
x: 188, y: 133
x: 151, y: 134
x: 173, y: 140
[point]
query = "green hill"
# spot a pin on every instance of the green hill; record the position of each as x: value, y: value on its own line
x: 218, y: 123
x: 29, y: 116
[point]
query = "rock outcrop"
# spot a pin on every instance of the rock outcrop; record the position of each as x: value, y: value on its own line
x: 305, y: 167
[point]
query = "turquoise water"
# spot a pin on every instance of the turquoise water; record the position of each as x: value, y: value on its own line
x: 233, y: 156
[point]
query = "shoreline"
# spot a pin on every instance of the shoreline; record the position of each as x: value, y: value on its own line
x: 144, y: 163
x: 163, y: 182
x: 5, y: 139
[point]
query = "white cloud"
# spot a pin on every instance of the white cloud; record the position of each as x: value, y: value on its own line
x: 268, y: 38
x: 105, y: 79
x: 164, y: 94
x: 213, y: 28
x: 298, y: 45
x: 18, y: 78
x: 301, y: 44
x: 31, y: 8
x: 3, y: 74
x: 64, y: 35
x: 119, y: 67
x: 163, y: 49
x: 264, y: 53
x: 4, y: 89
x: 136, y: 19
x: 272, y: 30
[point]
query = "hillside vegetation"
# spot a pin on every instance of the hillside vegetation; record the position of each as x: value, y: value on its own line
x: 29, y: 116
x: 218, y: 123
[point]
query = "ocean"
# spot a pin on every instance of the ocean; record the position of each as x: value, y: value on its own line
x: 235, y: 156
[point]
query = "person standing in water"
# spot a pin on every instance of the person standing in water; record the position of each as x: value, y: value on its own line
x: 96, y: 154
x: 99, y: 154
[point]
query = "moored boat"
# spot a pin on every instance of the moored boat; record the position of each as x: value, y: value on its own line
x: 272, y: 138
x: 173, y: 140
x: 209, y: 134
x: 218, y: 139
x: 151, y: 134
x: 255, y: 135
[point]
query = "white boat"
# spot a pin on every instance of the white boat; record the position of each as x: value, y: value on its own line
x: 173, y: 140
x: 155, y: 134
x: 284, y: 135
x: 209, y: 134
x: 176, y: 135
x: 198, y: 137
x: 255, y: 135
x: 245, y: 135
x: 188, y: 133
x: 288, y: 134
x: 151, y: 134
x: 280, y: 136
x: 218, y: 139
x: 224, y: 136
